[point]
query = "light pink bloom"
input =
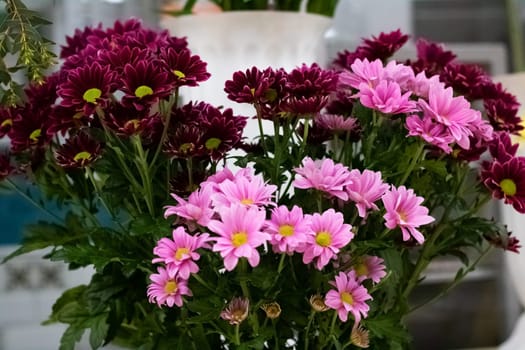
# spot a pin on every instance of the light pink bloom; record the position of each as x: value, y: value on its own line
x: 369, y: 267
x: 240, y: 233
x: 421, y: 85
x: 323, y: 175
x: 404, y: 210
x: 363, y: 71
x: 197, y: 209
x: 453, y: 112
x: 180, y: 254
x: 386, y: 97
x: 166, y: 290
x: 248, y: 191
x: 349, y: 296
x: 336, y: 123
x: 400, y: 73
x: 236, y: 311
x: 365, y: 189
x: 432, y: 132
x: 227, y: 174
x: 288, y: 229
x: 328, y: 234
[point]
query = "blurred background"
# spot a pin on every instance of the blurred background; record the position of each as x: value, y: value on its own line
x: 480, y: 312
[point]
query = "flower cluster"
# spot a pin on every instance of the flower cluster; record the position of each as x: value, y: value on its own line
x: 315, y: 236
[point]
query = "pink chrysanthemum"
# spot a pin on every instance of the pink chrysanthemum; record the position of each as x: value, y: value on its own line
x: 386, y: 97
x: 288, y: 229
x: 248, y: 191
x: 363, y: 71
x: 432, y: 132
x: 365, y: 188
x: 166, y: 290
x: 328, y: 234
x: 349, y: 296
x: 404, y: 210
x: 453, y: 112
x: 240, y: 233
x: 323, y: 175
x: 369, y: 267
x: 180, y: 254
x: 197, y: 209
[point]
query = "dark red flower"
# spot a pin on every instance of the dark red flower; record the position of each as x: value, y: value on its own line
x: 186, y: 142
x: 187, y: 69
x: 432, y: 57
x: 504, y: 241
x: 79, y: 151
x: 144, y: 84
x: 501, y: 108
x: 63, y: 119
x: 29, y: 129
x: 251, y: 86
x: 506, y: 181
x: 6, y: 119
x: 126, y: 120
x: 119, y: 57
x: 308, y: 89
x: 466, y: 79
x: 77, y: 42
x: 87, y: 87
x: 501, y: 148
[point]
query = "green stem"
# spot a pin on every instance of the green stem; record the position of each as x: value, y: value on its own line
x: 456, y: 281
x: 332, y: 325
x: 307, y: 330
x: 305, y: 136
x: 261, y: 130
x: 413, y: 163
x: 204, y: 283
x: 167, y: 111
x: 143, y: 168
x: 237, y: 339
x: 31, y: 200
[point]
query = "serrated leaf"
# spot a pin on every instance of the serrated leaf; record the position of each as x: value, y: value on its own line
x: 71, y: 336
x: 99, y: 331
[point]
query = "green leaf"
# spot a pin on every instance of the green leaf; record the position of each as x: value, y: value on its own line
x: 71, y: 336
x: 99, y: 331
x: 71, y: 295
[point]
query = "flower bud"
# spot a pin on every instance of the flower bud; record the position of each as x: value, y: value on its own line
x: 317, y: 303
x: 273, y: 310
x: 236, y: 311
x: 360, y: 337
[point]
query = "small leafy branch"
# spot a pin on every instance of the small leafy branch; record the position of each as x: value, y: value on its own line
x: 19, y: 37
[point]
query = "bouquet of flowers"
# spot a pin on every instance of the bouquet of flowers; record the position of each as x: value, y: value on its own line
x: 312, y: 237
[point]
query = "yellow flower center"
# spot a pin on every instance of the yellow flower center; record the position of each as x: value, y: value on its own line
x: 35, y: 135
x: 179, y: 254
x: 212, y: 143
x: 347, y: 298
x: 82, y: 156
x: 134, y: 123
x: 239, y: 238
x: 186, y: 147
x: 361, y: 269
x: 179, y: 74
x: 91, y: 95
x: 252, y: 90
x: 323, y: 238
x: 403, y: 216
x: 170, y: 287
x: 286, y: 230
x: 143, y: 90
x: 7, y: 122
x: 508, y: 186
x: 246, y: 201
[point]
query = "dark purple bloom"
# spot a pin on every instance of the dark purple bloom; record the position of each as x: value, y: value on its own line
x: 79, y: 151
x: 187, y: 69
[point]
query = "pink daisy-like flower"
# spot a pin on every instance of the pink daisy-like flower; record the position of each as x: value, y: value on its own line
x: 348, y: 297
x: 240, y: 233
x: 336, y: 124
x: 166, y: 290
x: 369, y: 267
x: 453, y: 112
x: 323, y: 175
x: 328, y: 234
x: 386, y: 97
x: 432, y: 132
x: 363, y: 71
x: 288, y: 229
x: 180, y: 254
x: 365, y: 188
x: 244, y: 190
x: 197, y: 209
x: 404, y: 210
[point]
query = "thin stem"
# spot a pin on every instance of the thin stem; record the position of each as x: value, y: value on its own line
x: 307, y: 330
x: 413, y: 163
x: 31, y: 200
x: 204, y: 283
x: 143, y: 168
x: 456, y: 281
x: 261, y: 130
x: 167, y: 110
x: 305, y: 137
x: 237, y: 338
x: 332, y: 325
